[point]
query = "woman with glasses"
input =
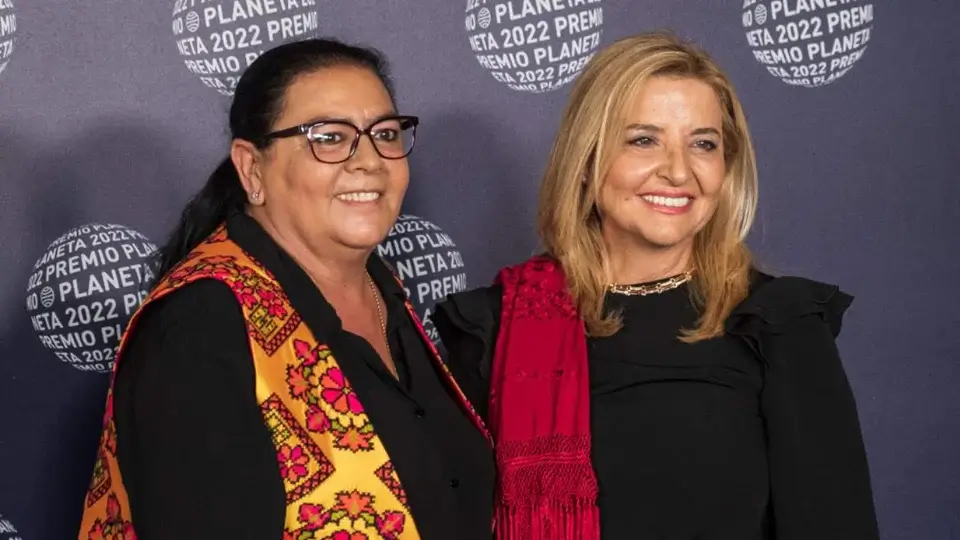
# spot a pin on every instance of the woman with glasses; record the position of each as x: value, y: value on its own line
x: 276, y: 383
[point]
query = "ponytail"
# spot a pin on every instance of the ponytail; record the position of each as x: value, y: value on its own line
x: 221, y: 196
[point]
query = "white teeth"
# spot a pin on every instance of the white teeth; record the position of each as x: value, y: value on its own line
x: 359, y: 196
x: 676, y: 202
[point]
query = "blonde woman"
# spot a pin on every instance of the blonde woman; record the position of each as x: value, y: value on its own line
x: 641, y: 379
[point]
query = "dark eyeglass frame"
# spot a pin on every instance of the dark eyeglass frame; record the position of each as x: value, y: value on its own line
x: 304, y: 129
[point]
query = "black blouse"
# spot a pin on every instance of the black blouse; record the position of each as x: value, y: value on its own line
x: 198, y: 461
x: 750, y: 436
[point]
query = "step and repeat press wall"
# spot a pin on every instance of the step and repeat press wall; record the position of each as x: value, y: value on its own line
x: 113, y: 112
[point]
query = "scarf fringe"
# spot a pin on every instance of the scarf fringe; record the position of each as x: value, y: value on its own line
x: 544, y: 479
x: 547, y: 496
x: 548, y: 519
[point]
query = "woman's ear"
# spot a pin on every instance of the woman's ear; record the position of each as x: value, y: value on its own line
x: 246, y: 158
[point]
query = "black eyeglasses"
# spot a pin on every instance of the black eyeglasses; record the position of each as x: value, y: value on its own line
x: 336, y: 141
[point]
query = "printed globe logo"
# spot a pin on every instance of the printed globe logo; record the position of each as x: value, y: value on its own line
x: 7, y: 530
x: 534, y: 45
x: 83, y: 290
x: 427, y: 262
x: 808, y: 43
x: 8, y: 26
x: 218, y: 39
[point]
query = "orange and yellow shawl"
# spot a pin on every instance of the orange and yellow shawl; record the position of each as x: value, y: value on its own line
x: 337, y: 474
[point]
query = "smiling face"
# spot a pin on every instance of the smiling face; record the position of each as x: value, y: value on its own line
x: 665, y: 179
x: 350, y: 204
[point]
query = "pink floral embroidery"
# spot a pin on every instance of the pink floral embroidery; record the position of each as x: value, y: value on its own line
x: 273, y: 302
x: 317, y: 420
x: 297, y: 380
x: 354, y: 503
x: 354, y: 439
x: 305, y: 353
x: 243, y: 287
x: 338, y: 394
x: 390, y: 524
x: 344, y: 535
x: 114, y: 527
x: 110, y: 437
x: 313, y: 516
x: 293, y: 462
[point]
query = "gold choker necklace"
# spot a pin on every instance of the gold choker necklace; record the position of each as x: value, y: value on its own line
x: 657, y: 287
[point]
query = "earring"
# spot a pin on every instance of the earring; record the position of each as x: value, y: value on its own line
x: 255, y: 195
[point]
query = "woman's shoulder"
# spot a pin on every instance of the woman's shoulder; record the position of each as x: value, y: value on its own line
x: 476, y: 313
x: 205, y: 305
x: 205, y: 294
x: 775, y: 303
x: 191, y: 328
x: 486, y: 293
x: 481, y: 300
x: 481, y: 305
x: 474, y: 309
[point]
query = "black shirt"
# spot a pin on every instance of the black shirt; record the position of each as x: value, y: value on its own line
x: 753, y: 435
x: 678, y: 425
x: 198, y: 461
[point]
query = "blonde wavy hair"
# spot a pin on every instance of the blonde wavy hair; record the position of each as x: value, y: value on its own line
x: 590, y: 138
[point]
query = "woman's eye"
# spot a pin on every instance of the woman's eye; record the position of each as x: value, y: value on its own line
x: 706, y: 145
x: 643, y: 141
x: 330, y: 137
x: 386, y: 134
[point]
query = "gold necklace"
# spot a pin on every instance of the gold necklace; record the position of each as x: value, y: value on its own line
x: 651, y: 288
x: 383, y: 322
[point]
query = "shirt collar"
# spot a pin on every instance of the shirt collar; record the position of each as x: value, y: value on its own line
x: 300, y: 289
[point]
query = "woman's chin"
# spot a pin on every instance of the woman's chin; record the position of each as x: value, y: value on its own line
x: 363, y: 238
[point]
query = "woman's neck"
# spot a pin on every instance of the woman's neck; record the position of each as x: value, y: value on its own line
x: 336, y: 270
x: 632, y: 262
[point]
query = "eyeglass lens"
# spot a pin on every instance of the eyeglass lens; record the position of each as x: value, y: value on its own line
x: 333, y: 141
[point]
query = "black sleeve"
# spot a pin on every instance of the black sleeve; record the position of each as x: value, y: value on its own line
x: 820, y: 480
x: 195, y: 456
x: 468, y: 324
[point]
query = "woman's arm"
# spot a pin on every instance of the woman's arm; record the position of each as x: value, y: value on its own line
x: 195, y: 456
x: 468, y: 324
x: 820, y: 480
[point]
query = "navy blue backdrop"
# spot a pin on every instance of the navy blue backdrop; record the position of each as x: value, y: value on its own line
x: 113, y: 112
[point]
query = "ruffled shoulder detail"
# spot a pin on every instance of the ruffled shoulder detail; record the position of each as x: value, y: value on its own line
x: 470, y: 315
x: 776, y: 304
x: 474, y: 311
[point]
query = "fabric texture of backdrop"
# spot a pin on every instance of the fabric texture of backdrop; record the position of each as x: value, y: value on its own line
x: 113, y: 112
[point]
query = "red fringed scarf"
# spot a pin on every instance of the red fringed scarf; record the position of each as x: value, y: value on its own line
x: 540, y: 410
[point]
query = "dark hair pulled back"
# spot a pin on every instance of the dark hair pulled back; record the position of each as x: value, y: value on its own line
x: 257, y: 103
